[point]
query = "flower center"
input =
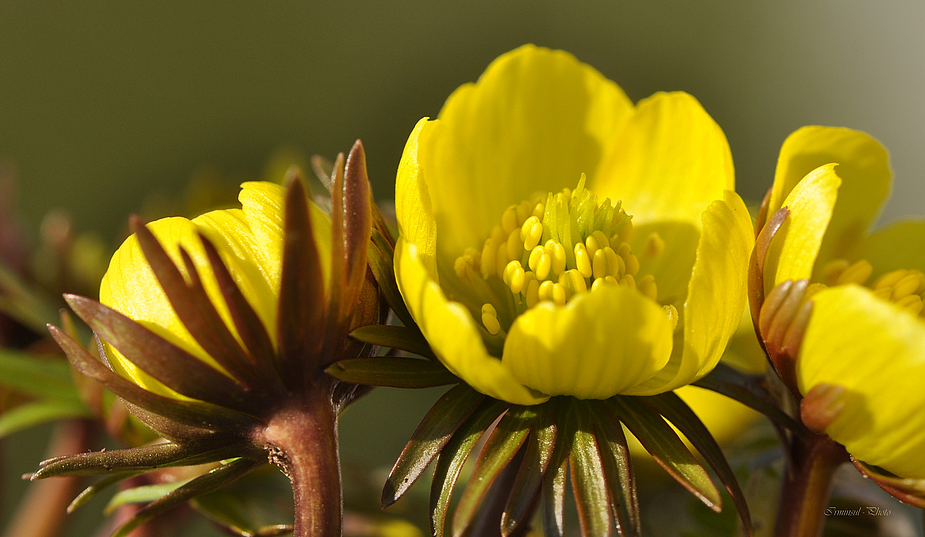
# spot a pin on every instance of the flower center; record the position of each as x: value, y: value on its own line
x: 903, y: 287
x: 552, y: 248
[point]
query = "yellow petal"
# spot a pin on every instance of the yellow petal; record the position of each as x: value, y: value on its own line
x: 598, y: 345
x: 129, y: 286
x: 793, y: 251
x: 877, y: 352
x: 901, y: 245
x: 670, y: 161
x: 863, y: 167
x: 452, y: 333
x: 715, y: 296
x: 534, y: 122
x: 413, y: 207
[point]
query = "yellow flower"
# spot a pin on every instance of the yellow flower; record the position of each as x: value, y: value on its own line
x: 631, y: 283
x: 249, y: 241
x: 864, y: 345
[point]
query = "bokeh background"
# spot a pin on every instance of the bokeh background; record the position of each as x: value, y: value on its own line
x: 104, y: 104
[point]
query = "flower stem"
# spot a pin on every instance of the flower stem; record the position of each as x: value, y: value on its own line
x: 807, y: 485
x: 301, y: 438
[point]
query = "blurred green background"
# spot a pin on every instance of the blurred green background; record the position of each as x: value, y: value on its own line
x: 103, y: 103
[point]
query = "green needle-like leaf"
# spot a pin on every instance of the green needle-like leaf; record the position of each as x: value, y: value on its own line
x: 454, y: 455
x: 259, y: 503
x: 434, y: 432
x: 675, y: 410
x: 501, y: 446
x: 747, y: 390
x: 90, y: 492
x: 554, y: 480
x: 618, y: 470
x: 587, y: 473
x: 395, y: 337
x: 666, y: 448
x: 142, y: 494
x: 392, y: 372
x: 208, y: 482
x: 539, y: 452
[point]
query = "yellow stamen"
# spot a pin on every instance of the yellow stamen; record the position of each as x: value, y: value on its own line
x: 856, y: 273
x: 582, y: 260
x: 490, y: 319
x: 514, y: 276
x: 531, y: 233
x: 655, y: 245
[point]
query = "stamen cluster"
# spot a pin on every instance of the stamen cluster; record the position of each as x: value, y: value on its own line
x: 903, y: 287
x: 554, y: 248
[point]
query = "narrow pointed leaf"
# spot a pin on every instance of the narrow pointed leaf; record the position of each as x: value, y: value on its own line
x: 192, y: 305
x: 194, y: 413
x: 392, y: 372
x: 381, y: 258
x: 667, y: 449
x: 142, y: 494
x: 675, y: 410
x: 394, y: 337
x: 90, y: 492
x: 618, y: 471
x: 587, y: 472
x: 208, y: 482
x: 35, y: 413
x: 434, y: 432
x: 749, y: 391
x: 145, y: 458
x: 454, y: 455
x: 351, y: 228
x: 502, y: 444
x: 169, y: 364
x: 539, y: 451
x: 249, y: 326
x: 554, y: 480
x: 907, y: 490
x: 258, y: 504
x: 301, y: 299
x: 39, y: 377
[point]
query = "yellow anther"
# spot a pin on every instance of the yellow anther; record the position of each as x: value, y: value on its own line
x: 531, y: 233
x: 913, y: 303
x: 884, y: 292
x: 509, y: 219
x: 487, y: 261
x: 626, y: 232
x: 596, y: 241
x: 531, y: 292
x: 655, y: 245
x: 501, y: 258
x: 490, y: 319
x: 672, y: 313
x: 573, y: 283
x: 616, y: 267
x: 583, y: 260
x: 599, y: 264
x: 889, y: 279
x: 460, y: 267
x: 498, y: 234
x: 514, y: 276
x: 551, y: 292
x: 630, y: 260
x: 647, y: 286
x: 833, y: 269
x: 905, y: 286
x: 557, y: 252
x: 523, y: 209
x: 606, y: 280
x: 529, y: 276
x: 629, y: 281
x: 540, y: 262
x: 856, y: 273
x: 515, y: 248
x: 539, y: 210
